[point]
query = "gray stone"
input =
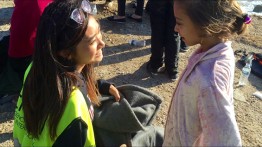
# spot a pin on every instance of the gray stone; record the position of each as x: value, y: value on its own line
x: 238, y: 95
x: 258, y: 8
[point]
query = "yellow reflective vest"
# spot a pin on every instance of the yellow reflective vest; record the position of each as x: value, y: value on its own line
x: 75, y: 108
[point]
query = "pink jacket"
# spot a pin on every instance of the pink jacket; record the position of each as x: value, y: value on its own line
x: 201, y: 112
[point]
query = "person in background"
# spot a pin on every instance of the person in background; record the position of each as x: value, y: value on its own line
x: 108, y: 4
x: 121, y: 16
x: 201, y: 112
x: 183, y: 46
x: 55, y: 107
x: 24, y: 22
x: 165, y: 42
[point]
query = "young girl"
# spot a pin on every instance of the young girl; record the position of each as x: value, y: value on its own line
x: 55, y: 106
x: 202, y: 111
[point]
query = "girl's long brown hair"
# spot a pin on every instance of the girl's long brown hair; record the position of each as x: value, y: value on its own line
x: 220, y: 18
x: 51, y: 79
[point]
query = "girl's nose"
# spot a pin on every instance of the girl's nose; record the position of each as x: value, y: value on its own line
x: 176, y: 29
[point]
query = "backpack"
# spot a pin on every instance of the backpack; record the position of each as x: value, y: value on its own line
x: 256, y: 67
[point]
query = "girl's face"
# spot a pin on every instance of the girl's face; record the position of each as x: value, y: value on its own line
x: 185, y: 27
x: 89, y: 49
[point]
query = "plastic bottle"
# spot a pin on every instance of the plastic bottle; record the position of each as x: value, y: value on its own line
x: 94, y: 9
x: 137, y: 42
x: 243, y: 80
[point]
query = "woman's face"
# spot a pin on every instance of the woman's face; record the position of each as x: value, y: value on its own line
x: 89, y: 49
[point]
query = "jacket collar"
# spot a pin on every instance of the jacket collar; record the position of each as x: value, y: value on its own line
x: 198, y: 56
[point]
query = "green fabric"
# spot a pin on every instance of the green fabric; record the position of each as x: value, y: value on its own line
x: 76, y: 107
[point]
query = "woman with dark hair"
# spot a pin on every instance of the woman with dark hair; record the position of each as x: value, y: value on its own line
x: 55, y: 106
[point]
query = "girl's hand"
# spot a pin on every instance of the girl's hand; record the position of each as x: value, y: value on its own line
x: 114, y: 92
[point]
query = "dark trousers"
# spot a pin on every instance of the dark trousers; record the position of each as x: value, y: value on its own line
x: 122, y: 7
x: 19, y: 65
x: 165, y: 42
x: 4, y: 45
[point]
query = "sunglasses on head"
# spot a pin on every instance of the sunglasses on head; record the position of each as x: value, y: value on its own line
x: 79, y: 17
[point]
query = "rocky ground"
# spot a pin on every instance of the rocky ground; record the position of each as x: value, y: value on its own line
x: 125, y: 64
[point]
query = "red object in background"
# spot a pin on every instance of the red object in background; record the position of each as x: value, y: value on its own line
x: 24, y: 22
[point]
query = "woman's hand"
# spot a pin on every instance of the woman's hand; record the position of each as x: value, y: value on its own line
x: 114, y: 92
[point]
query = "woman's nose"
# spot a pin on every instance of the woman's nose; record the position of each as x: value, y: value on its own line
x: 101, y: 43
